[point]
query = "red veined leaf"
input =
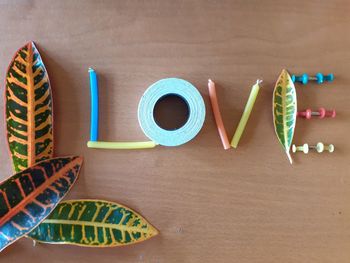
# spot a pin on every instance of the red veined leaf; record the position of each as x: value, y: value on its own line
x: 28, y: 197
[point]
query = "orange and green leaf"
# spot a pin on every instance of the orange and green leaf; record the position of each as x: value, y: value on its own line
x: 28, y: 109
x: 93, y: 223
x: 28, y: 197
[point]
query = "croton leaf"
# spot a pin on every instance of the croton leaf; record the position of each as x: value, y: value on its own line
x: 284, y: 111
x: 28, y: 197
x: 28, y: 109
x: 93, y: 223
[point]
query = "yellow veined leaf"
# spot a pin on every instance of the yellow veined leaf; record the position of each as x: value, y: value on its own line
x: 93, y: 223
x: 284, y: 105
x: 28, y: 109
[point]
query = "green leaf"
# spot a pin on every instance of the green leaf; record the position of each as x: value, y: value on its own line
x: 28, y: 197
x: 285, y: 111
x: 93, y: 223
x: 28, y: 109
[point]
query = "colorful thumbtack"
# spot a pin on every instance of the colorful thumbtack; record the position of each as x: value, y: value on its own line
x: 319, y: 78
x: 319, y: 147
x: 304, y: 148
x: 321, y: 113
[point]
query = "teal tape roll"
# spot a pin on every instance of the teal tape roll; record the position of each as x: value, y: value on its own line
x: 195, y: 103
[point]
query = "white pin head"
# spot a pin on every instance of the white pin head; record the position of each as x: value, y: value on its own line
x: 304, y: 148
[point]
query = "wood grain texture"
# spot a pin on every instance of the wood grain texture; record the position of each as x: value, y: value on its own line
x: 247, y: 205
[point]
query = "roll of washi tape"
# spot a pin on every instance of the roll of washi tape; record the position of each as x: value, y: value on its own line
x: 171, y: 87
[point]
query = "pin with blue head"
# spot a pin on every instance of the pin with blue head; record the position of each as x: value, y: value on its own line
x: 302, y: 78
x: 328, y: 78
x: 319, y: 78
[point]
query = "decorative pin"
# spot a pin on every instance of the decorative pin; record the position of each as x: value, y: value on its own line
x: 304, y: 148
x: 321, y: 113
x: 319, y: 147
x: 319, y: 78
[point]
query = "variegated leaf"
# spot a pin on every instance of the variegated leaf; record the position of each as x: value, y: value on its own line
x: 284, y: 111
x: 28, y: 109
x: 93, y: 223
x: 28, y: 197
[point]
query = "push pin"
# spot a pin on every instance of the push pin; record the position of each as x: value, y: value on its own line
x: 321, y: 113
x: 319, y: 147
x: 304, y: 148
x: 319, y: 78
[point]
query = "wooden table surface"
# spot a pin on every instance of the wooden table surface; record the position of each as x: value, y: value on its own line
x: 247, y: 205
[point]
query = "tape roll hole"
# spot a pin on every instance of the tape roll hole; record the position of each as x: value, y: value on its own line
x: 171, y: 112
